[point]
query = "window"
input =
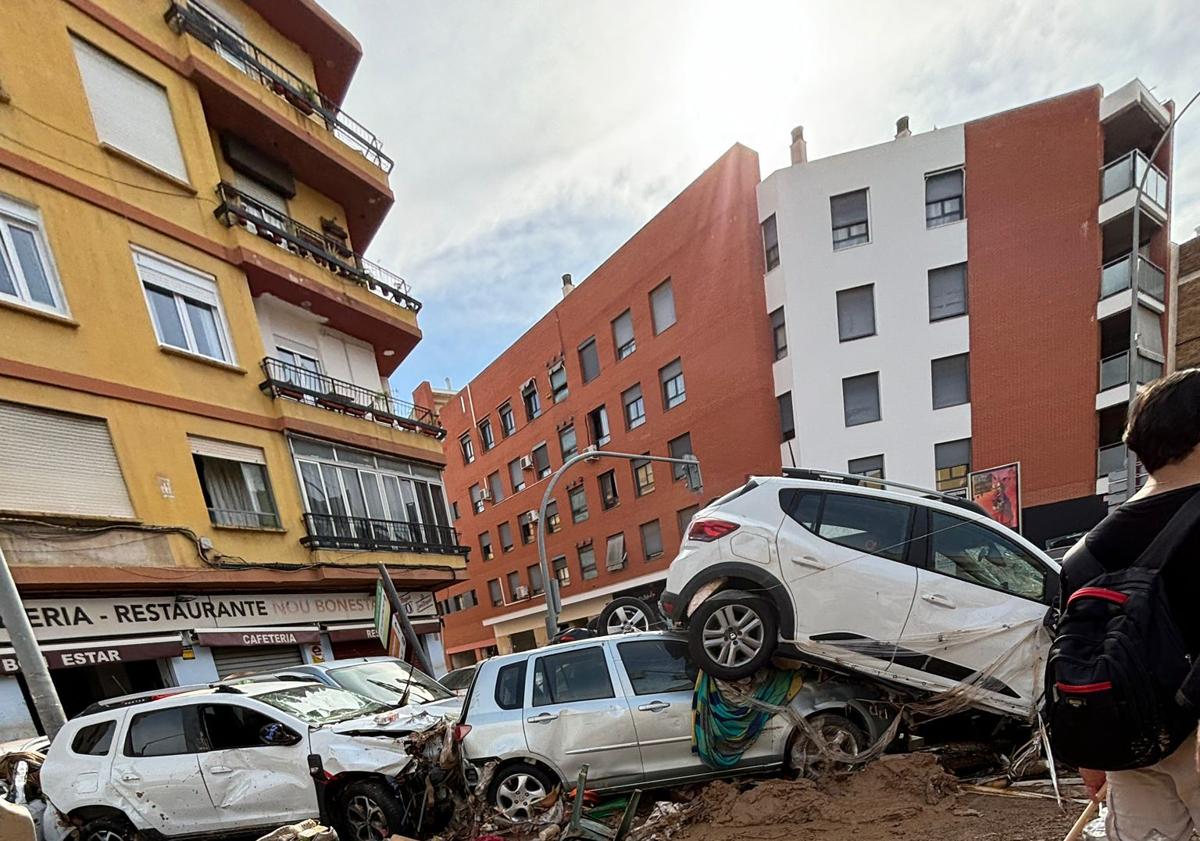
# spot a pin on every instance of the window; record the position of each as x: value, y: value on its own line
x: 856, y: 312
x: 496, y: 592
x: 579, y: 507
x: 952, y: 461
x: 598, y: 426
x: 658, y: 666
x: 131, y: 113
x: 948, y: 292
x: 486, y: 551
x: 684, y: 516
x: 870, y: 466
x: 849, y: 214
x: 577, y: 675
x: 553, y: 519
x: 608, y: 489
x: 454, y: 512
x: 536, y: 587
x: 643, y: 476
x: 230, y: 727
x: 558, y: 383
x: 533, y: 403
x: 779, y: 333
x: 27, y: 272
x: 234, y: 482
x: 566, y: 441
x: 528, y: 524
x: 514, y: 586
x: 508, y: 422
x: 95, y: 739
x: 951, y: 381
x: 860, y: 399
x: 623, y: 340
x: 678, y: 448
x: 506, y: 536
x: 468, y: 448
x: 589, y: 360
x: 652, y: 545
x: 982, y: 556
x: 635, y: 407
x: 787, y: 420
x: 614, y: 553
x: 674, y: 390
x: 476, y: 498
x: 770, y: 235
x: 495, y: 487
x: 943, y: 198
x: 662, y: 306
x: 561, y: 571
x: 587, y: 563
x: 159, y: 733
x: 541, y: 461
x: 516, y: 475
x: 867, y: 525
x: 486, y: 436
x: 510, y: 686
x: 184, y: 307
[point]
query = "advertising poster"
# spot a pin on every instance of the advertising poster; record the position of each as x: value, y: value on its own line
x: 998, y: 491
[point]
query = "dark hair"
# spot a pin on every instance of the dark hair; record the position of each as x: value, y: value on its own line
x: 1164, y: 419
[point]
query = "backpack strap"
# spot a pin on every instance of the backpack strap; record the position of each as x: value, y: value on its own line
x: 1167, y: 542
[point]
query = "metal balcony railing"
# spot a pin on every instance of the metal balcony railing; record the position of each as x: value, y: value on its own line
x: 328, y: 252
x: 191, y: 17
x: 337, y: 531
x: 1125, y: 173
x: 239, y: 518
x: 1115, y: 277
x: 1110, y: 459
x: 284, y: 379
x: 1114, y: 370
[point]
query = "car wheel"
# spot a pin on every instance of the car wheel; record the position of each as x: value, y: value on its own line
x: 733, y: 634
x: 371, y: 811
x: 627, y: 614
x: 518, y: 789
x: 108, y: 829
x: 840, y: 733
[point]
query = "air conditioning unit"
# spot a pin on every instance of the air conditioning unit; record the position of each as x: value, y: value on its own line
x: 527, y: 462
x: 485, y: 495
x: 531, y: 517
x: 520, y: 593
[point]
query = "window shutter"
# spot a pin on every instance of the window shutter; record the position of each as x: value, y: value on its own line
x: 226, y: 450
x: 947, y: 291
x: 856, y: 312
x: 589, y: 360
x: 860, y: 396
x: 952, y: 453
x: 944, y: 185
x: 54, y: 463
x: 623, y: 329
x: 662, y: 305
x: 950, y: 381
x: 615, y: 555
x: 849, y: 208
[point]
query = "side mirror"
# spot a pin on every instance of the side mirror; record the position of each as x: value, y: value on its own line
x: 1050, y: 586
x: 276, y: 735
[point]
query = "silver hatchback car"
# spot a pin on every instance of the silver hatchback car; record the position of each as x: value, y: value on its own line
x: 623, y: 704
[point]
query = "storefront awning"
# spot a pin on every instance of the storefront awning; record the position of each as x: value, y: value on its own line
x: 65, y: 655
x: 258, y: 636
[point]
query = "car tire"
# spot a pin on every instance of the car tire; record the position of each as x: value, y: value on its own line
x: 108, y: 829
x: 518, y: 788
x: 804, y: 760
x: 371, y: 811
x: 625, y: 615
x: 733, y: 634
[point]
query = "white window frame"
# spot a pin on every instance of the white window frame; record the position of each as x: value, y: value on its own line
x: 183, y: 281
x: 29, y: 218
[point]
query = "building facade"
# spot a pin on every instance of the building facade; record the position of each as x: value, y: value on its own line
x: 959, y: 299
x: 200, y: 463
x: 1187, y: 335
x: 649, y: 355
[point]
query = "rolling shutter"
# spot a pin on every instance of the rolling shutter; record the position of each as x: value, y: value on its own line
x: 233, y: 660
x: 226, y: 450
x: 55, y: 463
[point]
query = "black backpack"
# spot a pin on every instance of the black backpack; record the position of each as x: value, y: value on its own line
x: 1120, y: 684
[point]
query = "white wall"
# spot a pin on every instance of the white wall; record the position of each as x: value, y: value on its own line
x: 199, y: 669
x: 15, y: 720
x: 896, y: 261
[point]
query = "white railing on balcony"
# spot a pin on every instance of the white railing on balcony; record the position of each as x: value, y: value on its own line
x: 1115, y: 276
x: 1125, y: 173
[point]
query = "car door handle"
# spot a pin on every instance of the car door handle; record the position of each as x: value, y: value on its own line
x: 809, y: 561
x: 654, y: 707
x: 221, y: 769
x: 130, y: 778
x: 543, y: 718
x: 938, y: 599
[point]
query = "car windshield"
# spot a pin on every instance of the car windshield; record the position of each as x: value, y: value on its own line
x: 390, y: 682
x: 317, y: 704
x: 459, y: 678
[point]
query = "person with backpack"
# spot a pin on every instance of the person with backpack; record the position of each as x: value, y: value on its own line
x: 1121, y: 695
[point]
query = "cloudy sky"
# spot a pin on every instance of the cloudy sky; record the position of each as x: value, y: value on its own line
x: 532, y: 138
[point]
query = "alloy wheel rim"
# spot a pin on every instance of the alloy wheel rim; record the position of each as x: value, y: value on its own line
x: 518, y: 794
x: 104, y: 835
x: 811, y: 762
x: 366, y: 819
x: 733, y: 635
x: 626, y: 619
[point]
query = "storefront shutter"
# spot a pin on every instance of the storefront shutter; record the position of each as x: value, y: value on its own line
x: 233, y: 660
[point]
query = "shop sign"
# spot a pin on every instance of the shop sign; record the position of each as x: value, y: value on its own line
x: 259, y: 636
x: 68, y: 655
x: 352, y: 633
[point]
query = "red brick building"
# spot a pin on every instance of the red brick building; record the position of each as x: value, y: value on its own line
x: 664, y: 349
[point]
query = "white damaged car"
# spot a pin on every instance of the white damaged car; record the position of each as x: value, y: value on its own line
x: 230, y: 760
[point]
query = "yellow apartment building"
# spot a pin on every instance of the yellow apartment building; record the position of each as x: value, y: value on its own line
x: 201, y: 465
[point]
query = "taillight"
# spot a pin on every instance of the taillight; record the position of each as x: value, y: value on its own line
x: 461, y: 731
x: 706, y: 531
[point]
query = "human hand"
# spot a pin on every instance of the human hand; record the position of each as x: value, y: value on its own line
x: 1094, y: 780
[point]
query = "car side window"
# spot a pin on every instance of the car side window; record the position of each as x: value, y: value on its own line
x: 228, y: 726
x: 873, y: 526
x: 977, y: 554
x: 579, y: 675
x: 801, y: 506
x: 656, y: 666
x: 510, y: 686
x: 95, y: 739
x: 159, y: 733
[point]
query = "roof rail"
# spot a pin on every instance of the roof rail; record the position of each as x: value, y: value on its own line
x: 861, y: 481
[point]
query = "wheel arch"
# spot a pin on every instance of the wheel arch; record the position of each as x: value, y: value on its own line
x: 755, y: 579
x: 531, y: 759
x: 83, y: 814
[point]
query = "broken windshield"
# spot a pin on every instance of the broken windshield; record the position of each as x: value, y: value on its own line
x: 390, y: 682
x: 317, y: 705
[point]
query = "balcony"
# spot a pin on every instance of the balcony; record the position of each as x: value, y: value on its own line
x: 337, y: 531
x: 1114, y: 370
x: 1115, y: 277
x: 1110, y: 459
x: 315, y: 389
x: 1119, y: 181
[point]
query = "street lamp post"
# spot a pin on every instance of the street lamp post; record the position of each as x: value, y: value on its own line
x: 553, y: 602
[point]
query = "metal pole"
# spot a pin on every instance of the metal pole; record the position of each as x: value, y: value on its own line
x: 406, y: 628
x: 550, y: 584
x: 29, y: 656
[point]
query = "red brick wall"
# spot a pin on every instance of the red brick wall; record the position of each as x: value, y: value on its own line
x: 707, y: 242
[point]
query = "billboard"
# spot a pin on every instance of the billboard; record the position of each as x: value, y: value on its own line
x: 998, y: 491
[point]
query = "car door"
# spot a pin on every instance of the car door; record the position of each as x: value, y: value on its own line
x: 574, y: 714
x: 847, y: 560
x: 157, y: 773
x: 981, y: 598
x: 255, y: 767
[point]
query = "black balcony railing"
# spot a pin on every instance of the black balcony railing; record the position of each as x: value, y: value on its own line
x: 335, y: 531
x: 284, y: 379
x: 328, y: 252
x: 191, y: 17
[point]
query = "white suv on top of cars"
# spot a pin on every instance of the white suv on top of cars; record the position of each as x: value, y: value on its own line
x: 913, y: 586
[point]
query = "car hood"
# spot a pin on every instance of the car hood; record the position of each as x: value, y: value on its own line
x: 413, y: 718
